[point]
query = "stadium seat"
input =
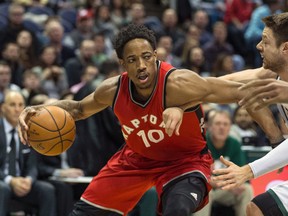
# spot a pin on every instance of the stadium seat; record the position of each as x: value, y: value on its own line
x: 41, y: 10
x: 3, y: 21
x: 4, y: 9
x: 69, y: 15
x: 32, y: 26
x: 68, y: 27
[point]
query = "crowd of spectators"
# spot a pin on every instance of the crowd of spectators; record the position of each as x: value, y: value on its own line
x: 63, y: 49
x: 58, y: 39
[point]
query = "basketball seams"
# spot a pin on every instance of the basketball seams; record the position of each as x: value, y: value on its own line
x: 42, y: 126
x: 60, y: 135
x: 38, y: 140
x: 55, y: 128
x: 52, y: 147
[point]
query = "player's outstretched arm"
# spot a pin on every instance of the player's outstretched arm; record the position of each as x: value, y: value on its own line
x: 266, y: 92
x: 186, y: 87
x: 101, y: 98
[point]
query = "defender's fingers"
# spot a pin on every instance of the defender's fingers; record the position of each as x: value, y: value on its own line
x: 263, y: 98
x: 168, y: 128
x: 220, y: 173
x: 256, y: 83
x: 225, y: 162
x: 177, y: 131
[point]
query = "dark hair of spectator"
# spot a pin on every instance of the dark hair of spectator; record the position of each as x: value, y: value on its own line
x: 4, y: 63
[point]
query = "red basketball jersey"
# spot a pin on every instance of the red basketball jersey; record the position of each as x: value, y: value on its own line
x: 142, y: 124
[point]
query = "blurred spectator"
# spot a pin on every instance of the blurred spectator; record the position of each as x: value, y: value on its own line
x: 184, y: 10
x: 11, y: 55
x: 31, y: 84
x: 220, y: 143
x: 118, y: 13
x: 137, y: 15
x: 89, y: 74
x: 38, y: 99
x: 84, y: 29
x: 28, y: 52
x: 103, y: 48
x: 201, y: 20
x: 237, y: 17
x: 166, y: 42
x: 29, y: 3
x: 18, y: 173
x: 53, y: 77
x: 5, y: 80
x: 245, y: 130
x: 223, y: 65
x: 195, y: 61
x: 192, y: 39
x: 54, y: 33
x: 103, y: 23
x: 214, y: 8
x: 171, y: 28
x: 219, y: 45
x: 161, y: 53
x: 15, y: 24
x: 255, y: 28
x: 74, y: 66
x: 110, y: 68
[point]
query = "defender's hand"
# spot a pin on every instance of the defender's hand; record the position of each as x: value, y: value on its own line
x: 172, y: 118
x: 232, y: 176
x: 265, y: 92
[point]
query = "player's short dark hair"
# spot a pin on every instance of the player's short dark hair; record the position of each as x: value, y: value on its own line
x: 131, y: 32
x: 278, y: 23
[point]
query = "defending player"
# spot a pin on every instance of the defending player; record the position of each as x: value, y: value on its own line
x: 274, y: 49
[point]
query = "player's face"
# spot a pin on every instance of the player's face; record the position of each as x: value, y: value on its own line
x: 12, y: 107
x: 272, y: 55
x: 139, y: 59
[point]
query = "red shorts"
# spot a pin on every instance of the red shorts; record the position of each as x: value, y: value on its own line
x: 127, y: 176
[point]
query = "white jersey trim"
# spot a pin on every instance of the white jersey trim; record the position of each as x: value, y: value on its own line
x: 101, y: 207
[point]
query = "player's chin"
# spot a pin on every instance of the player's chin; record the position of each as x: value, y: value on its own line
x: 264, y: 66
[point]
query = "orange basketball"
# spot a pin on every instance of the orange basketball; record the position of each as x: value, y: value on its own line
x: 51, y: 131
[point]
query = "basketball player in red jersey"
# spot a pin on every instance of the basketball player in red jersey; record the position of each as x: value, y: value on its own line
x: 179, y: 166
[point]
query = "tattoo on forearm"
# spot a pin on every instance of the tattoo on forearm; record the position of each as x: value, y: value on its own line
x: 73, y: 107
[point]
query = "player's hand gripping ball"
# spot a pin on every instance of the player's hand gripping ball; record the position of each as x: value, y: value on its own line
x: 51, y: 131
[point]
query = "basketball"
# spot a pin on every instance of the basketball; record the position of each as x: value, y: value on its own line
x: 51, y: 131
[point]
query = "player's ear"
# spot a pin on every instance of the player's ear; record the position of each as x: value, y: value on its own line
x: 285, y: 47
x: 121, y: 62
